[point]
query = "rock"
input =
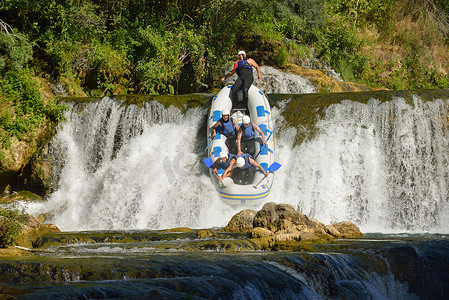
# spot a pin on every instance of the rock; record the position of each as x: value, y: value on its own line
x: 14, y: 251
x: 32, y: 230
x: 273, y: 215
x: 205, y: 234
x: 348, y: 230
x: 259, y: 232
x: 177, y: 229
x: 281, y: 227
x: 332, y: 231
x: 283, y: 218
x: 241, y: 222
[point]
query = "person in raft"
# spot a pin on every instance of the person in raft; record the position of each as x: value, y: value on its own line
x: 229, y: 128
x: 243, y: 169
x: 223, y: 161
x: 245, y: 137
x: 244, y: 69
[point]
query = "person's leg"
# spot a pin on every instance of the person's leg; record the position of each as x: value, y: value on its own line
x: 235, y: 89
x: 244, y: 146
x: 231, y: 144
x: 251, y: 146
x: 247, y: 79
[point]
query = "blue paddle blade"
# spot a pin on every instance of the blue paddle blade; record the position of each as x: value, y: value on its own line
x: 208, y: 161
x: 274, y: 167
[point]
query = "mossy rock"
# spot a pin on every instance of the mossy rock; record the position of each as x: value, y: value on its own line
x: 241, y: 222
x: 206, y: 234
x: 178, y: 229
x: 11, y: 197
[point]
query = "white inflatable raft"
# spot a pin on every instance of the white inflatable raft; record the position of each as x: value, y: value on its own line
x: 255, y: 191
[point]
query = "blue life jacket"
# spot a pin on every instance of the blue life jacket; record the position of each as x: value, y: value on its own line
x: 225, y: 165
x: 248, y: 132
x: 243, y: 64
x: 228, y: 128
x: 246, y: 156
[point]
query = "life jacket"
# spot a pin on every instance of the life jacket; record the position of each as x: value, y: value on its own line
x: 246, y: 156
x: 228, y: 128
x: 248, y: 132
x: 242, y: 64
x: 225, y: 165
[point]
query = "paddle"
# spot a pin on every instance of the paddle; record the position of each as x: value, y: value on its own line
x: 265, y: 141
x: 209, y: 163
x: 209, y: 143
x: 273, y: 168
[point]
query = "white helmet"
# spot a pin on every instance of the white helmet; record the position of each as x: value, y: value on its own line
x: 246, y: 120
x: 240, y: 162
x: 223, y: 154
x: 242, y: 52
x: 225, y: 112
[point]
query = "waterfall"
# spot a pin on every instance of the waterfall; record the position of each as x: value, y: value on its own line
x: 381, y: 165
x: 124, y: 167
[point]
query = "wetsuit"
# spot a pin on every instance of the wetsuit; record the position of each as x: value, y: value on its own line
x: 247, y: 142
x: 244, y: 81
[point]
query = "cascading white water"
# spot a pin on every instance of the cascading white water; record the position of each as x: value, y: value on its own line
x: 131, y: 168
x: 383, y: 166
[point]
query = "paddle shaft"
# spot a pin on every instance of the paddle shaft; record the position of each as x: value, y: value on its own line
x: 255, y: 186
x: 266, y: 142
x: 209, y: 144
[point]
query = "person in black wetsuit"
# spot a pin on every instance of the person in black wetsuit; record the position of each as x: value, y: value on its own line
x: 244, y: 69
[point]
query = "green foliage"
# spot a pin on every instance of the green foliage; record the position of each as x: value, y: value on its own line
x: 11, y: 218
x: 281, y: 57
x: 28, y: 109
x: 155, y: 46
x: 15, y: 51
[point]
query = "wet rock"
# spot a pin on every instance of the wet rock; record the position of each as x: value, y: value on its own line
x: 348, y: 230
x: 280, y: 226
x: 206, y: 233
x: 32, y: 229
x: 14, y: 251
x: 259, y: 232
x: 332, y: 231
x: 241, y: 222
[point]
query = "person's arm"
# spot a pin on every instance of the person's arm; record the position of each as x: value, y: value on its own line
x: 214, y: 131
x: 239, y: 138
x: 216, y: 165
x: 227, y: 172
x: 255, y: 163
x: 236, y: 125
x: 255, y: 65
x: 230, y: 73
x: 261, y: 133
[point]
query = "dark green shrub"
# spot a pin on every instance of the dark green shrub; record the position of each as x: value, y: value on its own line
x: 11, y: 218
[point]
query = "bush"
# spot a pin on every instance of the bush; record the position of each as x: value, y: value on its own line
x: 15, y: 51
x: 11, y: 219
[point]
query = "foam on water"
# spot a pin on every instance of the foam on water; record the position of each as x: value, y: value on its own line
x: 129, y: 168
x: 382, y: 166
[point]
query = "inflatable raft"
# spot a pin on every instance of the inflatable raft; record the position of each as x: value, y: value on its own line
x: 255, y: 188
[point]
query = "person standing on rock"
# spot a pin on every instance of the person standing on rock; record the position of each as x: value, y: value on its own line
x: 244, y: 69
